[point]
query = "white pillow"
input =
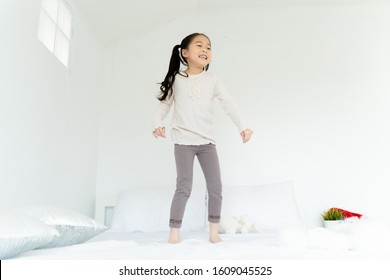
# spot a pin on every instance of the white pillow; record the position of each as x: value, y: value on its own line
x: 73, y: 227
x: 148, y: 210
x: 271, y: 206
x: 20, y: 233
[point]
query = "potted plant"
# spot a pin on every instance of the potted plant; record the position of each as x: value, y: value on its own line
x: 332, y: 217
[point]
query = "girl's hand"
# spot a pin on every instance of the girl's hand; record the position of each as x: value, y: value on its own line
x: 159, y: 132
x: 246, y: 135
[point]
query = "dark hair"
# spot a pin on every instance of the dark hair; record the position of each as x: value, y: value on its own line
x: 166, y: 87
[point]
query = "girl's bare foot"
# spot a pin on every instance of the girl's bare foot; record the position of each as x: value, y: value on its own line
x: 174, y: 236
x: 215, y: 239
x: 214, y: 233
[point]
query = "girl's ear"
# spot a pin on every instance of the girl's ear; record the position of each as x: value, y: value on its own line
x: 184, y: 53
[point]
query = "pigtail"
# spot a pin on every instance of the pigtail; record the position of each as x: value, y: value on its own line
x: 174, y: 67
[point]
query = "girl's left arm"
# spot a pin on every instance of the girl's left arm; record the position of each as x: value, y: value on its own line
x: 232, y: 110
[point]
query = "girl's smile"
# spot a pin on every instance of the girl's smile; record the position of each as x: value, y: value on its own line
x: 203, y: 56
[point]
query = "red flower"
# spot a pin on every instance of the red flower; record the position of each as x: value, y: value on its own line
x: 347, y: 214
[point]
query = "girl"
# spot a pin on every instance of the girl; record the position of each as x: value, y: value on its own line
x: 193, y: 91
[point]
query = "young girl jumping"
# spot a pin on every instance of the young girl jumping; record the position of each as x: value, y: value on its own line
x: 193, y: 90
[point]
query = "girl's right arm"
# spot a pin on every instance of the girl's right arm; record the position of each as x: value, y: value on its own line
x: 161, y: 112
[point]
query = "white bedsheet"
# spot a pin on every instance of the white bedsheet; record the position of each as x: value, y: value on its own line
x: 317, y: 244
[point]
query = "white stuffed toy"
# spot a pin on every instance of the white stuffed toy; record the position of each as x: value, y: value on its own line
x: 247, y: 225
x: 231, y: 225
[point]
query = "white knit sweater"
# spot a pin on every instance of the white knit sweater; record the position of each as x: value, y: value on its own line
x: 193, y: 99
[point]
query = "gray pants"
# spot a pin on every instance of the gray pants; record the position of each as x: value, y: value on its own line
x: 208, y: 159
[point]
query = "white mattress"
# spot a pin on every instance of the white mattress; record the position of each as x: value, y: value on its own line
x: 299, y: 245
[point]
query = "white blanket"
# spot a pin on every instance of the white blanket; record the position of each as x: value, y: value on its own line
x: 351, y: 241
x: 359, y: 235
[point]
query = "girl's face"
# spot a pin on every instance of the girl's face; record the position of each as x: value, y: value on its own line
x: 198, y: 52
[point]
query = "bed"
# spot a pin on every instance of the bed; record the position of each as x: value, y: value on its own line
x: 195, y: 246
x: 133, y: 225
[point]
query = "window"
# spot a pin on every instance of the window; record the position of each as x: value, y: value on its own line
x: 54, y: 30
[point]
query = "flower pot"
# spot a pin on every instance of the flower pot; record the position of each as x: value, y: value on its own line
x: 332, y: 223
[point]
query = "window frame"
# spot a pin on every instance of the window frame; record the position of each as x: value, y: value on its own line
x: 57, y: 30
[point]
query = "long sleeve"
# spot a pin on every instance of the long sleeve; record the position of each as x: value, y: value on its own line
x: 162, y: 111
x: 230, y: 106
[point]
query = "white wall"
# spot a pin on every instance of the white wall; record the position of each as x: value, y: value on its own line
x: 313, y: 81
x: 48, y: 116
